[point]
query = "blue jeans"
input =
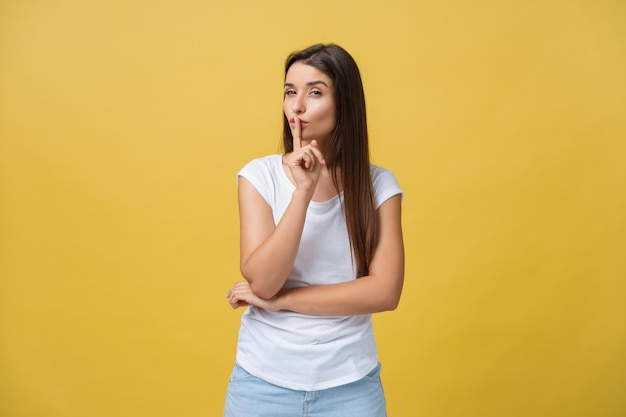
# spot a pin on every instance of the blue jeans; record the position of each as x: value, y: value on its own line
x: 249, y: 396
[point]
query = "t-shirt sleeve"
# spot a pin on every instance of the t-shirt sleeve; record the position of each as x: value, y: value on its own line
x: 385, y: 185
x: 258, y: 173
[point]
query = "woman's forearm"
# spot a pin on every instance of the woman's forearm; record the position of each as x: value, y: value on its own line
x: 267, y: 267
x: 369, y: 294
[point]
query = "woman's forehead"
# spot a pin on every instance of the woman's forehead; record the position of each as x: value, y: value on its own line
x: 304, y: 73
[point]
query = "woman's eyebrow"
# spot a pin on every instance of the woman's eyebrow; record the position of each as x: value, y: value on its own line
x: 309, y: 84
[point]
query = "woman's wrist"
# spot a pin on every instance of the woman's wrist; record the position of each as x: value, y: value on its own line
x: 303, y: 194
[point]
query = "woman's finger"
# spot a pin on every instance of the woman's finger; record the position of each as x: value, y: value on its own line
x: 316, y: 151
x: 296, y: 132
x: 307, y: 158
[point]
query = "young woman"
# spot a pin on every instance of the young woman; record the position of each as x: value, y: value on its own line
x: 321, y: 250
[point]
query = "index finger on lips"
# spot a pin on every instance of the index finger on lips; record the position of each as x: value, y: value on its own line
x: 296, y: 132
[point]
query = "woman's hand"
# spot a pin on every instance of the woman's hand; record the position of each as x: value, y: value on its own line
x: 305, y: 162
x: 241, y: 295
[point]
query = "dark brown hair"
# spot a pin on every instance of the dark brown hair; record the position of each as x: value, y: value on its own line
x: 349, y: 149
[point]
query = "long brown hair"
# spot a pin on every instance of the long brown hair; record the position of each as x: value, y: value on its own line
x: 349, y: 149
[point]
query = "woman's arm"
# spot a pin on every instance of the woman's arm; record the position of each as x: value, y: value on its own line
x: 379, y: 291
x: 267, y: 253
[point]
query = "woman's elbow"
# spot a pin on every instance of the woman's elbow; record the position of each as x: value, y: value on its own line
x: 259, y: 284
x: 262, y: 291
x: 390, y: 303
x: 389, y: 296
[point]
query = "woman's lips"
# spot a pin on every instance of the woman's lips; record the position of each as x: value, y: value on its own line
x: 292, y: 122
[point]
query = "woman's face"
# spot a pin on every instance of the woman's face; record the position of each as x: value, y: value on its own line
x: 309, y: 96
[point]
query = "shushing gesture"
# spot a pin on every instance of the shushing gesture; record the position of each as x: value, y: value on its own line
x: 305, y: 162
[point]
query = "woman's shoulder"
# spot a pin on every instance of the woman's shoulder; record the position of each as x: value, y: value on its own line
x: 267, y: 160
x: 378, y: 170
x: 263, y: 164
x: 379, y: 173
x: 385, y: 184
x: 264, y: 174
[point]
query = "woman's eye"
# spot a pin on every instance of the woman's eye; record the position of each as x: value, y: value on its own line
x: 290, y: 92
x: 316, y: 93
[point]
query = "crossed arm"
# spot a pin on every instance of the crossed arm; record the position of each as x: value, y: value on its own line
x: 268, y: 253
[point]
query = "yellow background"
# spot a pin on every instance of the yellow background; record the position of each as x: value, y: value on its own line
x: 123, y: 123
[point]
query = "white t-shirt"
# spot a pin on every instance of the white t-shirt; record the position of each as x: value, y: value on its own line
x: 299, y: 351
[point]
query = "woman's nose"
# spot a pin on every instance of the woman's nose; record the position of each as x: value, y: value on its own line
x: 297, y: 106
